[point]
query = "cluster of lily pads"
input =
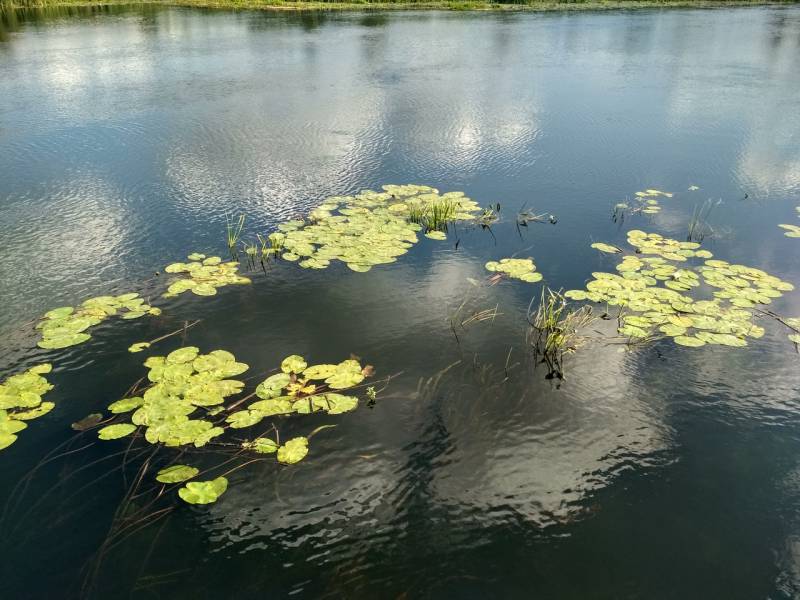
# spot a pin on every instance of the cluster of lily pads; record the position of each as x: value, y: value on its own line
x: 645, y: 202
x: 302, y: 389
x: 21, y: 401
x: 516, y: 268
x: 206, y: 274
x: 792, y: 231
x: 723, y: 318
x: 185, y: 382
x: 67, y: 325
x: 370, y: 228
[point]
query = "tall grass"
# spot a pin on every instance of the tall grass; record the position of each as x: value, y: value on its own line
x: 555, y: 330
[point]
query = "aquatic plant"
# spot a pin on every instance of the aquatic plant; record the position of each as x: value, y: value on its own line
x: 555, y: 330
x: 516, y: 268
x: 371, y: 228
x: 722, y: 319
x: 21, y: 401
x: 233, y: 231
x: 206, y: 275
x: 528, y: 216
x: 488, y: 215
x: 607, y: 248
x: 185, y: 382
x: 792, y: 231
x: 66, y: 326
x: 644, y: 202
x: 699, y: 227
x: 792, y: 323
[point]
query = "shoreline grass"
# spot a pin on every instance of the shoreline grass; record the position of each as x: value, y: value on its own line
x: 383, y: 5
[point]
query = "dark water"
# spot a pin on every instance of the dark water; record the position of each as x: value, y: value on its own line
x: 127, y: 135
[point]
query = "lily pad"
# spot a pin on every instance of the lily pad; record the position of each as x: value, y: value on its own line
x: 293, y: 451
x: 608, y: 248
x: 203, y: 492
x: 138, y: 346
x: 176, y: 473
x: 116, y: 431
x: 293, y: 364
x: 261, y: 445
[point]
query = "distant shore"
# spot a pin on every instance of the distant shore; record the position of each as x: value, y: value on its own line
x: 473, y: 5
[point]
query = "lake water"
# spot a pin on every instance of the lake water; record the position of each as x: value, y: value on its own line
x: 128, y: 135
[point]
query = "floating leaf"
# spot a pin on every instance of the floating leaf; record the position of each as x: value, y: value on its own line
x: 436, y: 235
x: 319, y: 371
x: 274, y: 406
x: 125, y: 405
x: 203, y: 492
x: 606, y: 248
x: 293, y: 364
x: 273, y: 385
x: 792, y: 231
x: 293, y: 451
x: 118, y: 430
x: 691, y: 341
x: 176, y: 473
x: 138, y: 346
x: 244, y: 418
x: 34, y: 413
x: 261, y: 445
x: 517, y: 268
x: 183, y: 355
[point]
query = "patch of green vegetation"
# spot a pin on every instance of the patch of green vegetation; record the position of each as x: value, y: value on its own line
x: 556, y: 330
x: 516, y: 268
x: 21, y: 401
x: 185, y: 382
x: 66, y: 326
x: 205, y: 276
x: 372, y: 228
x: 725, y: 318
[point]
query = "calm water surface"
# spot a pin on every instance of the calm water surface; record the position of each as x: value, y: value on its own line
x: 127, y: 135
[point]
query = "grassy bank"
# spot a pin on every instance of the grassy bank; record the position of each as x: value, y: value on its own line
x: 531, y: 5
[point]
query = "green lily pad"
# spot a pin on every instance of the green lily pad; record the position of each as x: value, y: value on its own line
x: 176, y: 473
x: 690, y: 341
x: 183, y: 355
x: 34, y: 413
x: 293, y: 451
x: 203, y: 492
x: 273, y: 406
x: 116, y: 431
x: 273, y: 385
x: 125, y: 405
x: 244, y: 418
x: 319, y: 372
x: 138, y: 346
x: 261, y: 445
x: 436, y: 235
x: 606, y: 248
x: 293, y: 364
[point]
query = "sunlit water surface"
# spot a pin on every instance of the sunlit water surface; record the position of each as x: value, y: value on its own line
x: 128, y: 135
